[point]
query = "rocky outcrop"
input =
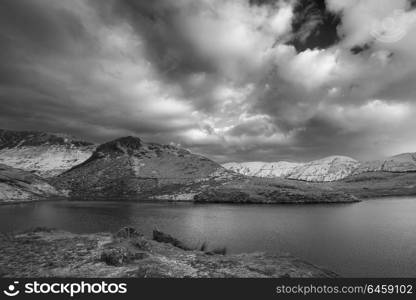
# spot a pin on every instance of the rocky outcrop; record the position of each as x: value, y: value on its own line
x: 45, y: 154
x: 324, y: 170
x: 133, y: 169
x: 20, y: 186
x: 48, y: 253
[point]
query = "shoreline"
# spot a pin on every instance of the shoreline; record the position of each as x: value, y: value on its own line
x: 294, y: 203
x: 52, y: 253
x: 152, y: 201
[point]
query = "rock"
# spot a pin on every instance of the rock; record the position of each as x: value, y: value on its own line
x: 117, y: 256
x: 141, y: 244
x: 54, y: 254
x: 45, y: 154
x: 324, y: 170
x: 168, y: 239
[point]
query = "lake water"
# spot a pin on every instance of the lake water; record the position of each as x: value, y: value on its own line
x: 374, y: 238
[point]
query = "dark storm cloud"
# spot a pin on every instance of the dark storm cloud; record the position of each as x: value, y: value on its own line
x: 46, y: 65
x: 158, y: 22
x: 40, y: 30
x: 235, y: 80
x: 28, y: 33
x: 314, y: 26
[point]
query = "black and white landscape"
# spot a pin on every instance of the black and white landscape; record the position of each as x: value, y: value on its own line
x: 132, y: 129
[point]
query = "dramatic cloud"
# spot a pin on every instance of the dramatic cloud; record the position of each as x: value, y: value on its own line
x: 231, y: 79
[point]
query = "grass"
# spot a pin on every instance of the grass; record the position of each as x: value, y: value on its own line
x: 8, y: 236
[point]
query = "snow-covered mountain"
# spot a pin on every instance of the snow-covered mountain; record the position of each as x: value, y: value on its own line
x: 401, y: 163
x: 45, y: 154
x: 327, y: 169
x: 263, y: 169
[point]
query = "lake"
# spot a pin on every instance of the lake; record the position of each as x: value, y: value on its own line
x: 375, y: 238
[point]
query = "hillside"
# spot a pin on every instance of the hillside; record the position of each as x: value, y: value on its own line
x: 324, y: 170
x: 401, y: 163
x: 130, y: 168
x: 45, y: 154
x: 376, y: 184
x: 263, y: 169
x: 127, y: 254
x: 331, y: 168
x: 20, y: 186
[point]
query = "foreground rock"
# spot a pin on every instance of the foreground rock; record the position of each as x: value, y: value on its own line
x: 130, y: 169
x: 21, y: 186
x: 46, y: 253
x: 45, y: 154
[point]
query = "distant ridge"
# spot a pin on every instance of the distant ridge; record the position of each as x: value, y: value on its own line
x: 401, y: 163
x: 327, y: 169
x: 51, y: 154
x: 130, y: 168
x: 332, y: 168
x: 11, y: 139
x: 46, y: 154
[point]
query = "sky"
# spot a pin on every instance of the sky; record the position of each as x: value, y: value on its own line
x: 235, y: 80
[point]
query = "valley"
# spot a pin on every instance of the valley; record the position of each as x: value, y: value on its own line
x: 39, y: 166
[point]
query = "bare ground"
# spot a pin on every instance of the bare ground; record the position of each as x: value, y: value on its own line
x: 51, y: 253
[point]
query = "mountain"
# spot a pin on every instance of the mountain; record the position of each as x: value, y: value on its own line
x: 263, y: 169
x: 45, y: 154
x: 401, y: 163
x: 18, y: 185
x: 130, y: 168
x: 327, y: 169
